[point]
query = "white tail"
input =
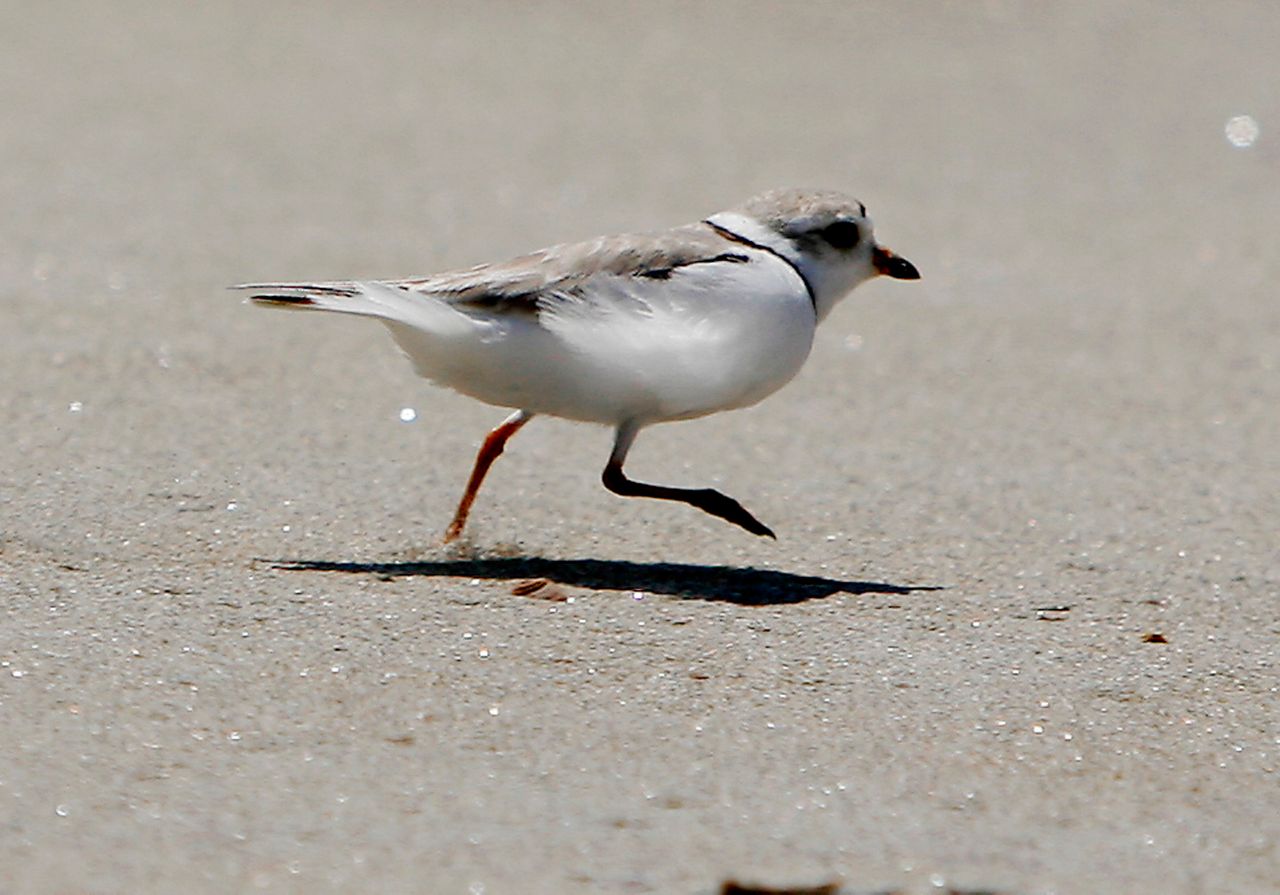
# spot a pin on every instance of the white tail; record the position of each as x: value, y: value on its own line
x: 365, y: 299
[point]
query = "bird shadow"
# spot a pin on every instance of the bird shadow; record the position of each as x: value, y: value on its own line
x: 744, y: 586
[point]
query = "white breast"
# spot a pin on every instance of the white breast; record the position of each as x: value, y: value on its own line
x: 709, y: 337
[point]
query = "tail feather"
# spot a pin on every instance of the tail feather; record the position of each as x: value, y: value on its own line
x: 298, y: 293
x: 365, y: 299
x: 282, y: 300
x: 414, y: 318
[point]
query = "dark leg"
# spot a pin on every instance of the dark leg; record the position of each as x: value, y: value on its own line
x: 705, y: 499
x: 489, y: 451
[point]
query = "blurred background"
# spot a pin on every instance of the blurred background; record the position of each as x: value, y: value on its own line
x: 1065, y: 178
x: 1075, y: 406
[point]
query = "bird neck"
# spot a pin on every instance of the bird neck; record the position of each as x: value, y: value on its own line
x: 748, y: 231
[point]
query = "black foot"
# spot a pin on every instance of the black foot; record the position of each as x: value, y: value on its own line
x: 706, y: 499
x: 728, y: 509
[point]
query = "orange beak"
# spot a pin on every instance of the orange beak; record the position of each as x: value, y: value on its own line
x: 889, y: 264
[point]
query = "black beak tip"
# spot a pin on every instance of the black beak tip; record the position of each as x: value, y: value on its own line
x: 891, y: 265
x: 902, y: 269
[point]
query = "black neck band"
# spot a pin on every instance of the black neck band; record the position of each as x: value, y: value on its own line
x: 739, y: 238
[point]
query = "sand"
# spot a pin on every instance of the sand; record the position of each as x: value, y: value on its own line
x: 1019, y: 629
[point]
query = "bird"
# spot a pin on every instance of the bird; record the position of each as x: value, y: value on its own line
x: 627, y: 331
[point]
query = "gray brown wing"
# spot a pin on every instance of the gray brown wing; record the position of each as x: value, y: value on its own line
x: 521, y: 283
x: 526, y: 283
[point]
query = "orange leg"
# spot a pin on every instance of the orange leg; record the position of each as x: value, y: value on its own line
x: 489, y: 451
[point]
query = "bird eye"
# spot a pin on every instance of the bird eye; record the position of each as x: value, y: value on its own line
x: 842, y: 234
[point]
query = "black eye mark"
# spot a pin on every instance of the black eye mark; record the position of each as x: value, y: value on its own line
x: 841, y: 234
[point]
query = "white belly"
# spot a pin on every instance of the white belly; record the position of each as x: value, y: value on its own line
x: 633, y: 349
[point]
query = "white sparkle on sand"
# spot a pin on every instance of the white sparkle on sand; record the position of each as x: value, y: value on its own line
x: 1242, y: 131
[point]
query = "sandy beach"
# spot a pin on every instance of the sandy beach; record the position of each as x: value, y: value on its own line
x: 1019, y: 632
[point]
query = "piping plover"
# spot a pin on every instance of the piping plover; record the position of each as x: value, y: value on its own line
x: 628, y: 330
